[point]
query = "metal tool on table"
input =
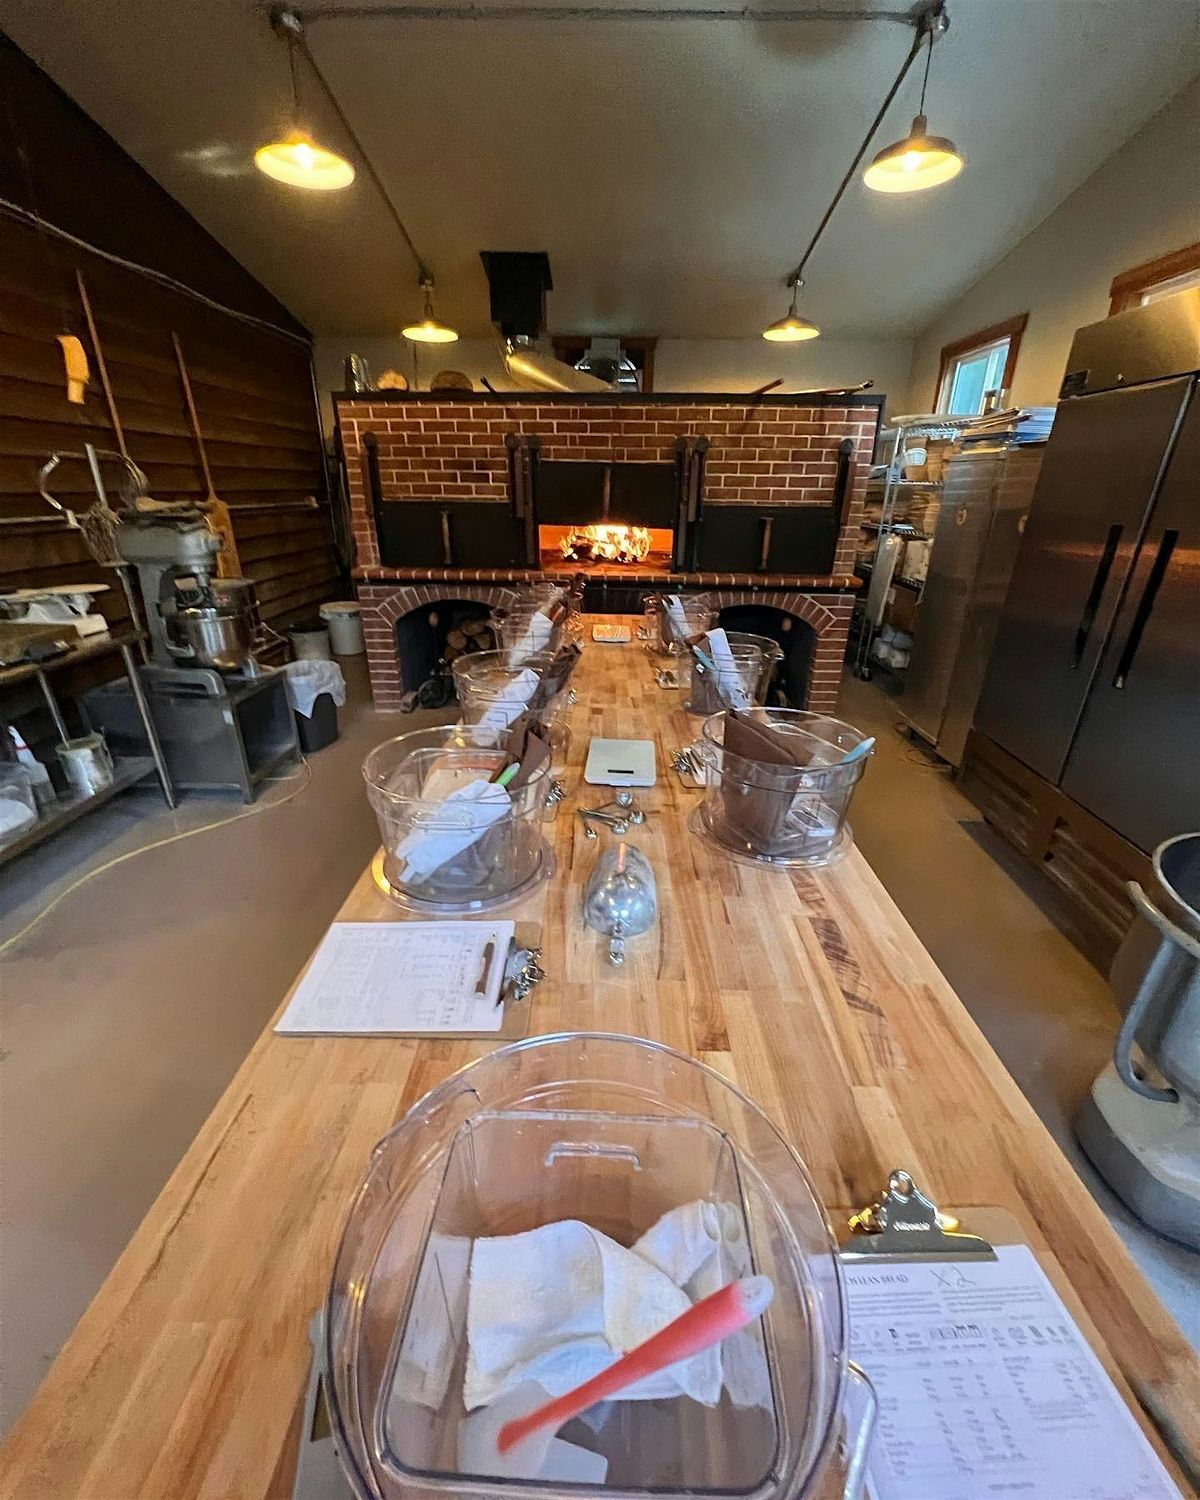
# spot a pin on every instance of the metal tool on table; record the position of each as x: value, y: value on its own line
x: 689, y: 767
x: 1140, y: 1123
x: 619, y: 815
x: 621, y: 899
x: 522, y: 973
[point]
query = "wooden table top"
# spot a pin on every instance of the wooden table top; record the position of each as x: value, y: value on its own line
x: 185, y: 1376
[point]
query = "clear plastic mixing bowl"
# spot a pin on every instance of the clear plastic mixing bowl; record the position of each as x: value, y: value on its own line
x: 614, y: 1131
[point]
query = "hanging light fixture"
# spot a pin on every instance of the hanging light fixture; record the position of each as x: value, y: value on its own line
x: 791, y: 328
x: 936, y: 160
x: 297, y: 159
x: 429, y: 330
x: 920, y: 160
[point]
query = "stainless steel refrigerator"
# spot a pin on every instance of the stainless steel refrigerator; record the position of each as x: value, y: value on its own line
x: 985, y: 501
x: 1094, y: 682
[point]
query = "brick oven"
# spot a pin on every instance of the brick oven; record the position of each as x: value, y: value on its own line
x: 456, y: 498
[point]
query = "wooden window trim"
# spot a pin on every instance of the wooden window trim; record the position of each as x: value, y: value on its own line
x: 1011, y: 329
x: 571, y: 346
x: 1127, y: 288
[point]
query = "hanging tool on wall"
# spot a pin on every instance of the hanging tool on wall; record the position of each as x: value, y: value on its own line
x: 228, y: 565
x: 75, y: 362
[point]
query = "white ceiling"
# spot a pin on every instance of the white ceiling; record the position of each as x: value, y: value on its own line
x: 673, y: 170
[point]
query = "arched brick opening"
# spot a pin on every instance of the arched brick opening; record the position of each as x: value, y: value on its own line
x: 384, y: 606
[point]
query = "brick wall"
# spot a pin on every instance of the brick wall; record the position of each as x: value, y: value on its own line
x: 769, y: 453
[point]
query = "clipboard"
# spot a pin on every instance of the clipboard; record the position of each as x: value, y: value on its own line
x: 962, y: 1237
x: 520, y: 973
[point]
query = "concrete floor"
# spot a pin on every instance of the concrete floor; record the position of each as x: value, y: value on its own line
x: 126, y: 1012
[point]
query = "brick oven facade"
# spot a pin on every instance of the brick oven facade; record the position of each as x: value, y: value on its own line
x: 451, y: 448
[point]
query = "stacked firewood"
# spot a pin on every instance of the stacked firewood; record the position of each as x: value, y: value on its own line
x: 474, y: 635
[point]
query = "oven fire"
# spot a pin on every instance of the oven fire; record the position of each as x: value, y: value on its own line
x: 615, y: 544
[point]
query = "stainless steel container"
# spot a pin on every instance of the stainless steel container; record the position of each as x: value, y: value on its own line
x: 1156, y: 972
x: 216, y: 635
x: 86, y: 763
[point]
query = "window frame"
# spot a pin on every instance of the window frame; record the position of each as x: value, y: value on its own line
x: 1011, y: 329
x: 1129, y: 287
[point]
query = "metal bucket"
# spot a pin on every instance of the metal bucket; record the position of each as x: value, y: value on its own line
x: 1156, y: 973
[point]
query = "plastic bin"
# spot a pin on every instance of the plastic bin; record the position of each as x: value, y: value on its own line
x: 614, y: 1131
x: 310, y: 641
x: 453, y: 856
x: 738, y: 687
x: 788, y: 815
x: 344, y: 619
x: 489, y: 687
x: 322, y: 728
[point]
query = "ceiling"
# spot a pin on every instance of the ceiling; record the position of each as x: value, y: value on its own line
x: 673, y: 169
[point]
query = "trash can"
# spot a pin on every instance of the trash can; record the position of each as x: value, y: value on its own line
x: 310, y: 641
x: 344, y: 619
x: 315, y: 690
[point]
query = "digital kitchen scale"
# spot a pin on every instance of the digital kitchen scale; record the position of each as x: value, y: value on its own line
x: 620, y: 763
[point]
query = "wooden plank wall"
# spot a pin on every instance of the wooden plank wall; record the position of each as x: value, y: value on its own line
x: 249, y: 366
x: 254, y: 402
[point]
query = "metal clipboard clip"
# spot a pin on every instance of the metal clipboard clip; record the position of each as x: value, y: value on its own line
x: 906, y: 1225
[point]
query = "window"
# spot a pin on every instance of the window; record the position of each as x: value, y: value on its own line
x: 976, y: 369
x: 1156, y: 278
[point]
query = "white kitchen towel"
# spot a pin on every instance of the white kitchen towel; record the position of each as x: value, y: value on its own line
x: 510, y: 702
x: 444, y: 831
x: 676, y: 617
x: 535, y: 637
x: 683, y: 1242
x: 729, y: 682
x: 561, y: 1303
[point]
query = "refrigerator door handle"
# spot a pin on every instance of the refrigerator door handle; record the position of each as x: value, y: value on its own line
x: 1158, y: 571
x: 1096, y: 593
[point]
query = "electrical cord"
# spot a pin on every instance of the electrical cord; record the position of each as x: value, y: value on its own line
x: 304, y: 771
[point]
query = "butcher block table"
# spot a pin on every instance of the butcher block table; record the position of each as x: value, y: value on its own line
x: 186, y: 1376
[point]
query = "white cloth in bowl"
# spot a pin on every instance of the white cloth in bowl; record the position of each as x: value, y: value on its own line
x: 561, y: 1303
x: 535, y: 637
x: 510, y: 702
x: 729, y: 682
x: 453, y: 825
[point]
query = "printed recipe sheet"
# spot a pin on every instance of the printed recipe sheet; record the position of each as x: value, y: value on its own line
x: 987, y: 1389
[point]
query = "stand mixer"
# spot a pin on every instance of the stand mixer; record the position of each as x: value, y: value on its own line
x: 224, y: 719
x: 194, y: 618
x: 1140, y: 1124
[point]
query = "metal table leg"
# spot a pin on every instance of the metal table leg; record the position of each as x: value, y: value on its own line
x: 139, y: 694
x: 52, y: 705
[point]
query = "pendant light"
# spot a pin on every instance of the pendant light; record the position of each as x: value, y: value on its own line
x: 925, y: 160
x: 297, y: 159
x: 429, y: 330
x: 920, y: 160
x: 791, y: 328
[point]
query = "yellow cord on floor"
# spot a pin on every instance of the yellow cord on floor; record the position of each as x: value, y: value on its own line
x: 305, y: 771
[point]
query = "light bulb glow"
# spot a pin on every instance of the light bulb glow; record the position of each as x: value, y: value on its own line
x: 791, y: 331
x: 917, y: 162
x: 430, y: 331
x: 300, y: 162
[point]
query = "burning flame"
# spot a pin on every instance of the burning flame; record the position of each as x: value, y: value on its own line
x: 619, y: 544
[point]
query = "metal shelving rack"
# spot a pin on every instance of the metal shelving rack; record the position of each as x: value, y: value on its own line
x: 903, y: 432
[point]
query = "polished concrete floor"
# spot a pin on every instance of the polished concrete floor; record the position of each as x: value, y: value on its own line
x: 126, y: 1011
